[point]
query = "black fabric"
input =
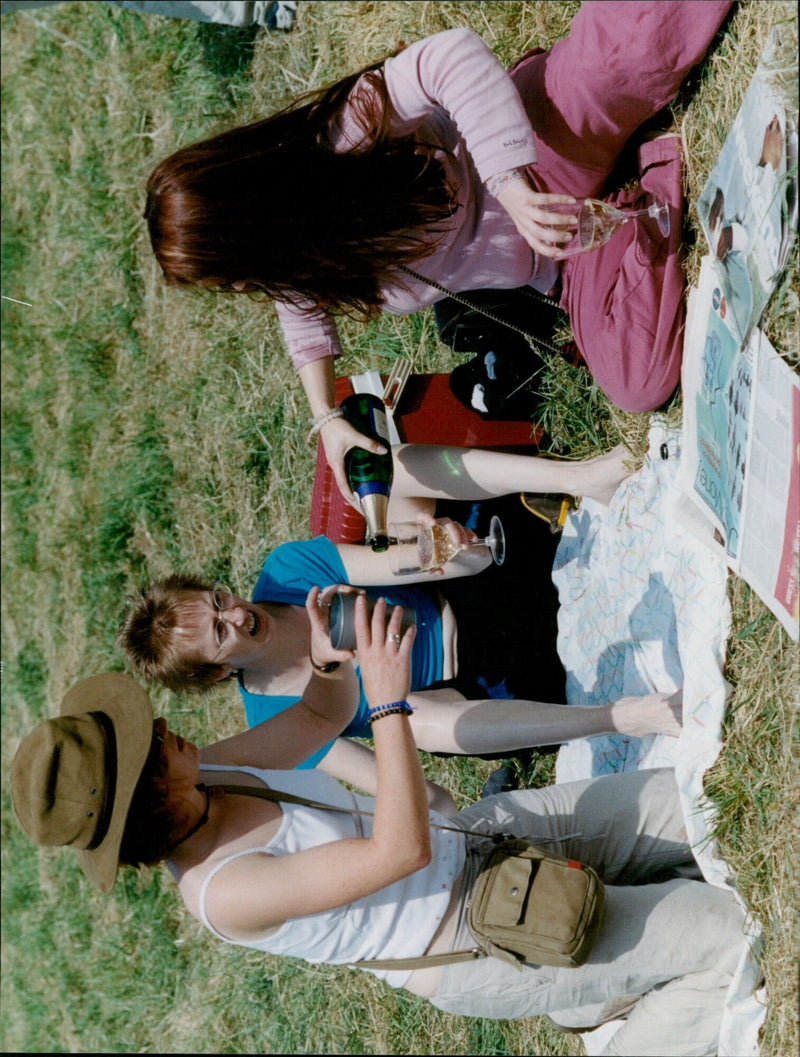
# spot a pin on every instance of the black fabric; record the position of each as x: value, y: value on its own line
x: 464, y: 329
x: 507, y: 615
x: 499, y: 385
x: 500, y: 381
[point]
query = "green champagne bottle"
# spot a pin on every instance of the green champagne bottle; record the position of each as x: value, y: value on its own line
x: 370, y: 476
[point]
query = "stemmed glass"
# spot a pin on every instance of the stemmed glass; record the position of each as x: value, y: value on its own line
x: 597, y: 222
x: 418, y: 548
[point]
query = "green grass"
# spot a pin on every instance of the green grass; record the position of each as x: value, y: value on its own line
x: 147, y: 429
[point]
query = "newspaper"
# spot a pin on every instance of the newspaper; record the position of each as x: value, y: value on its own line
x: 740, y: 474
x: 740, y: 471
x: 748, y: 207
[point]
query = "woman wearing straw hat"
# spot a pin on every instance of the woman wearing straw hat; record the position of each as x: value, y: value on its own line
x: 334, y: 886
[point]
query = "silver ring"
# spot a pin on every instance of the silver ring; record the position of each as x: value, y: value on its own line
x: 396, y: 639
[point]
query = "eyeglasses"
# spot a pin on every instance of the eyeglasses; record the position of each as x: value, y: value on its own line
x: 222, y: 598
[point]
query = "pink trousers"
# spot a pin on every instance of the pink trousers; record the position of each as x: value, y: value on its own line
x: 621, y: 63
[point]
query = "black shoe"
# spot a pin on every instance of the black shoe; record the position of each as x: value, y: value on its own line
x: 502, y: 780
x: 281, y: 15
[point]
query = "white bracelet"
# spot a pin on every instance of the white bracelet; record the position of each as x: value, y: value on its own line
x: 498, y: 182
x: 323, y: 420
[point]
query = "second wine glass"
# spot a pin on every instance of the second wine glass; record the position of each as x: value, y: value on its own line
x: 417, y: 548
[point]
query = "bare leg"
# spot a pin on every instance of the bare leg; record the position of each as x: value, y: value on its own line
x: 433, y: 472
x: 443, y: 721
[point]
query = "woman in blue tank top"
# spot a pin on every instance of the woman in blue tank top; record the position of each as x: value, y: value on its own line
x: 478, y: 684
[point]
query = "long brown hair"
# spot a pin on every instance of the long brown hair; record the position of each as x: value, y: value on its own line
x: 272, y: 206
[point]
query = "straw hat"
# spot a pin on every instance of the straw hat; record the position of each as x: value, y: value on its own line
x: 73, y: 778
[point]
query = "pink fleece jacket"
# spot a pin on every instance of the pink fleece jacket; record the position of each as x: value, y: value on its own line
x: 450, y: 91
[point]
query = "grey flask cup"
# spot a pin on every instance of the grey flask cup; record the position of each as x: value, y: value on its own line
x: 342, y: 620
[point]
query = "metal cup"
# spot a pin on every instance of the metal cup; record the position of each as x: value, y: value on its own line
x: 342, y: 619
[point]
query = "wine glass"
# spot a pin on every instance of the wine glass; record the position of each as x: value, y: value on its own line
x: 597, y: 222
x: 418, y: 548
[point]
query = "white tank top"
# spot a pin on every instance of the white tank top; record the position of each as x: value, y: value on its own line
x: 399, y: 921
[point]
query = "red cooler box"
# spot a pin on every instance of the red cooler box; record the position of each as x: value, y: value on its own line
x: 427, y: 413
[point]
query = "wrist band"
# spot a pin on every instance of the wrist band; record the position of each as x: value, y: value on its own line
x: 392, y: 704
x: 389, y: 712
x: 323, y: 420
x: 391, y: 708
x: 498, y: 182
x: 326, y: 669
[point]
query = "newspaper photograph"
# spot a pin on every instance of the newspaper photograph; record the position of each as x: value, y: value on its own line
x: 748, y: 207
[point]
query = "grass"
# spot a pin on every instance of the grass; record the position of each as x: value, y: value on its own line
x: 146, y: 429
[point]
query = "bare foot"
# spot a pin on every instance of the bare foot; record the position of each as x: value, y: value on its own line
x: 658, y: 713
x: 606, y: 473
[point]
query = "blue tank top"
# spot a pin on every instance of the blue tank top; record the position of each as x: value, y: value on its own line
x: 289, y: 573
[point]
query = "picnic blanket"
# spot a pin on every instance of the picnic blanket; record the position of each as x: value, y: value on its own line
x: 643, y: 608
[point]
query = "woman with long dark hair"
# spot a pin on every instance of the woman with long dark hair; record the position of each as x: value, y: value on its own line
x: 438, y: 162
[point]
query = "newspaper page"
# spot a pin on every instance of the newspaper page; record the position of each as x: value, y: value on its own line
x: 769, y: 555
x: 741, y: 445
x: 714, y: 378
x: 748, y: 207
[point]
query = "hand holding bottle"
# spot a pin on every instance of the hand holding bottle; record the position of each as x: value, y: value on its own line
x: 321, y: 650
x: 370, y: 474
x: 338, y: 437
x: 384, y: 652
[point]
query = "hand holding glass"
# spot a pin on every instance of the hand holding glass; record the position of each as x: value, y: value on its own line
x: 417, y: 548
x: 597, y: 222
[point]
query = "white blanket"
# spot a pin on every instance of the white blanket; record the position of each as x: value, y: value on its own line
x: 644, y: 607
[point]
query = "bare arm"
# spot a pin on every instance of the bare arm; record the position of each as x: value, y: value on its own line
x: 328, y: 704
x: 368, y: 569
x: 257, y: 892
x: 350, y: 761
x: 443, y: 721
x: 433, y: 471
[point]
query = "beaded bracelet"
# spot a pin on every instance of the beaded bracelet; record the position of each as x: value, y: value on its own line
x: 384, y: 710
x: 323, y: 420
x: 389, y: 712
x: 498, y: 182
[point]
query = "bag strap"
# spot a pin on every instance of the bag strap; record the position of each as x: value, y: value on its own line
x: 425, y: 961
x: 529, y: 292
x: 276, y: 795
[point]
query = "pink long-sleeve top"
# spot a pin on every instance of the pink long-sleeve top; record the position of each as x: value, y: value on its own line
x: 449, y: 91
